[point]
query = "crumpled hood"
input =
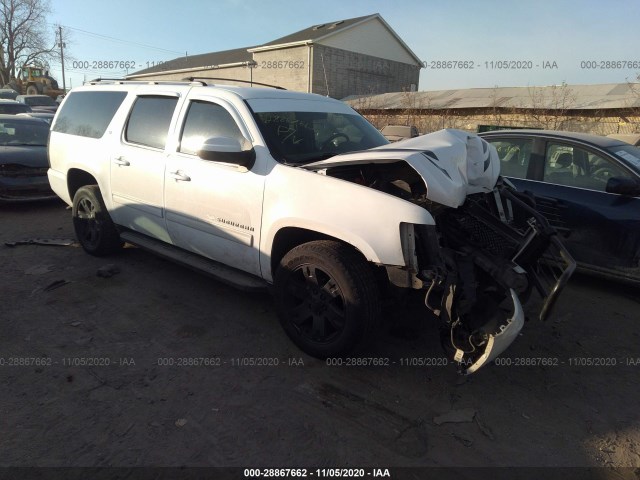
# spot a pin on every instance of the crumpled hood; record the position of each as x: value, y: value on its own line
x: 453, y: 163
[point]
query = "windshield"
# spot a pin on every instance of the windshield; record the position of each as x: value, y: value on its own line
x: 629, y: 154
x: 24, y: 133
x: 303, y: 137
x: 39, y: 101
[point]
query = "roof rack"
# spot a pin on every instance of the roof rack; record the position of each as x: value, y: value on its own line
x: 98, y: 80
x: 184, y: 81
x: 251, y: 82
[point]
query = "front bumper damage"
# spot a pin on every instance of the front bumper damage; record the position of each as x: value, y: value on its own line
x: 493, y: 252
x: 487, y: 249
x: 498, y: 342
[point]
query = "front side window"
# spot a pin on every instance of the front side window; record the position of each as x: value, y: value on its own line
x: 578, y: 167
x: 149, y: 121
x: 515, y: 155
x: 303, y: 137
x: 205, y: 120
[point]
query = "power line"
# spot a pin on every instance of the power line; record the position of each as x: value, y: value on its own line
x: 107, y: 37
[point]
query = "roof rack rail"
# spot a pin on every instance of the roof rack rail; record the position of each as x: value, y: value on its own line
x: 100, y: 79
x: 141, y: 82
x: 198, y: 79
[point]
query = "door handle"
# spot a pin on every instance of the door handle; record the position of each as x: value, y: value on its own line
x: 178, y: 176
x: 121, y: 161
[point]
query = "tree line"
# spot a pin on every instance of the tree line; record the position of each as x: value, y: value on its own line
x: 26, y: 37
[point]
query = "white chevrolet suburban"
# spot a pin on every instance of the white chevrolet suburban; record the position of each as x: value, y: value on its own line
x: 261, y: 186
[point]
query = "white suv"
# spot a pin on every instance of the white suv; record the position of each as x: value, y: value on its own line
x: 259, y: 186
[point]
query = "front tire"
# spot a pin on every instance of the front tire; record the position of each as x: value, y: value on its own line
x: 94, y: 228
x: 327, y: 298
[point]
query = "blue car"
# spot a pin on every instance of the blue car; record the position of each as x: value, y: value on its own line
x: 587, y: 186
x: 23, y: 159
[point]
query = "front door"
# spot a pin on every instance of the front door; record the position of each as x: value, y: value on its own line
x: 597, y: 221
x: 213, y: 209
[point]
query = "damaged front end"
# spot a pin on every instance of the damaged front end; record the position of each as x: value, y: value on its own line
x: 494, y: 250
x: 489, y: 247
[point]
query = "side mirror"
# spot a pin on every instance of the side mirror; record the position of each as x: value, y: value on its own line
x: 623, y: 186
x: 228, y: 150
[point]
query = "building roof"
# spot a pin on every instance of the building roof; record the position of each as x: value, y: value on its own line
x: 226, y: 57
x: 316, y: 32
x: 566, y: 97
x: 245, y: 54
x: 319, y: 32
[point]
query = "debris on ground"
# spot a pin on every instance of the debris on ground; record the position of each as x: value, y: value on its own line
x: 464, y: 415
x: 54, y: 285
x: 484, y: 428
x: 467, y: 442
x: 54, y: 242
x: 38, y: 270
x: 108, y: 270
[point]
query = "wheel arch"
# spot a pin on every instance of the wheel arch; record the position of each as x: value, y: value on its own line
x: 287, y: 238
x: 77, y: 178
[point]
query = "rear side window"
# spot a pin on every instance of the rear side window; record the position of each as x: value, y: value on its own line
x: 149, y: 121
x: 88, y: 114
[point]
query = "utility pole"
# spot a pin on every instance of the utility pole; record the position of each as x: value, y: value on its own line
x: 2, y: 63
x: 64, y: 83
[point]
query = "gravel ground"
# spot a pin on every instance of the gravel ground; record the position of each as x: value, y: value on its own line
x: 157, y: 365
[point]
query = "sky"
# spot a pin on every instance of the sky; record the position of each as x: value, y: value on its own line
x: 510, y: 42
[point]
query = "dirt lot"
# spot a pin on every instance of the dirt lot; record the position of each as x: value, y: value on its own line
x: 100, y: 372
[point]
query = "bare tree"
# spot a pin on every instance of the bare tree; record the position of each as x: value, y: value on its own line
x: 632, y: 106
x: 496, y: 115
x: 550, y: 106
x: 24, y: 38
x: 411, y: 104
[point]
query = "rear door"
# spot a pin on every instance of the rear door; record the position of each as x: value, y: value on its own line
x: 138, y: 165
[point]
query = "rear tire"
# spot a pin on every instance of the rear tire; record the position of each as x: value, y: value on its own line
x: 94, y: 228
x: 327, y: 298
x: 32, y: 90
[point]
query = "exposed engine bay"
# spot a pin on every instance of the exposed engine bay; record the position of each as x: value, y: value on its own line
x: 489, y: 248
